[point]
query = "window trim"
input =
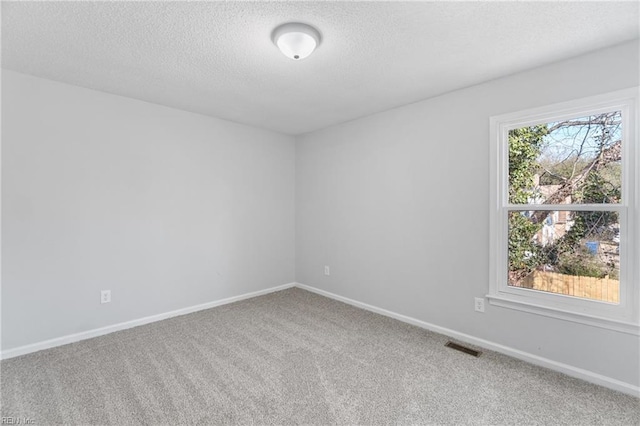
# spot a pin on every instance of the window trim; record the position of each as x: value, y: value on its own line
x: 623, y: 317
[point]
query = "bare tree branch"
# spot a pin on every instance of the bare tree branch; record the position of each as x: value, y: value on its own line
x: 569, y: 187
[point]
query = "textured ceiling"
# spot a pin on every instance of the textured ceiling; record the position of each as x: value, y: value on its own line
x: 216, y: 58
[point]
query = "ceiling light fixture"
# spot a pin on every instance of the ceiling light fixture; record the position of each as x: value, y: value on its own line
x: 296, y: 40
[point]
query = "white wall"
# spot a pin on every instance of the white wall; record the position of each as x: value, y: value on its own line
x: 170, y: 209
x: 397, y: 204
x: 165, y: 208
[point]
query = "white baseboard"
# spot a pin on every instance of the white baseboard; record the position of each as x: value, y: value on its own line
x: 569, y: 370
x: 71, y: 338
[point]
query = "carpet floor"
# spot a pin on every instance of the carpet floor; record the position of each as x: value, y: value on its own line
x: 293, y: 357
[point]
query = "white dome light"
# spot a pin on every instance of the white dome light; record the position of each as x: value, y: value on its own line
x: 295, y: 40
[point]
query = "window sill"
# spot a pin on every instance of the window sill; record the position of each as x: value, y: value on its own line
x: 609, y: 324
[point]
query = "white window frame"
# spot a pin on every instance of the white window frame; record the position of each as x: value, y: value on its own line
x: 623, y: 317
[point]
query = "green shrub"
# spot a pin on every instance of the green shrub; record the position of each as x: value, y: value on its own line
x: 585, y: 264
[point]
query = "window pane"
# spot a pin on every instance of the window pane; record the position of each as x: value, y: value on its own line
x: 566, y: 252
x: 575, y: 161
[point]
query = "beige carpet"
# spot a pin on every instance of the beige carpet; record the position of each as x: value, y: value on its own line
x: 293, y: 357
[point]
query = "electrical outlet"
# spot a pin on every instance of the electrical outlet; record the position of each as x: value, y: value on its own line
x: 105, y: 296
x: 479, y: 304
x: 327, y: 271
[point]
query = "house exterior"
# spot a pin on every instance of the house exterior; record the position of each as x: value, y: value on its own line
x: 557, y: 223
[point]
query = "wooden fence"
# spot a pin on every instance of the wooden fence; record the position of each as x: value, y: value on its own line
x: 604, y: 289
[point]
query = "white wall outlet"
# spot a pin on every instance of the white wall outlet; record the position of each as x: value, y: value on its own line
x: 479, y: 304
x: 327, y: 271
x: 105, y: 296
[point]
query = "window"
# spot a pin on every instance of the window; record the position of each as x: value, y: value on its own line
x: 564, y: 204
